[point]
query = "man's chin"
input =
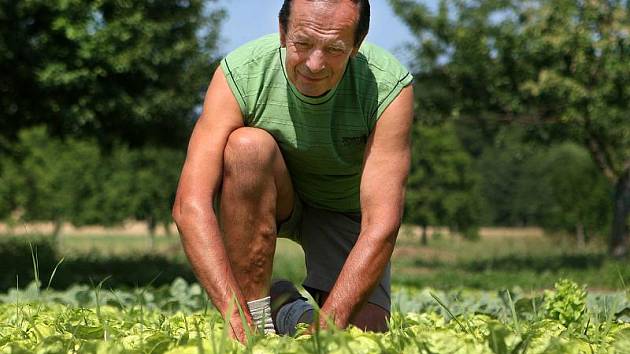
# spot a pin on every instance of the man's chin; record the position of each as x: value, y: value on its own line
x: 312, y: 93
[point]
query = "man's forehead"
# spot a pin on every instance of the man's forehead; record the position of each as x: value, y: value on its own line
x: 331, y: 1
x: 299, y: 35
x: 331, y: 6
x: 334, y: 14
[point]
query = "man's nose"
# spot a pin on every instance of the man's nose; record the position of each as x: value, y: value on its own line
x: 315, y: 62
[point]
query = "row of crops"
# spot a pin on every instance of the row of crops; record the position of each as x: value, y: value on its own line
x: 179, y: 319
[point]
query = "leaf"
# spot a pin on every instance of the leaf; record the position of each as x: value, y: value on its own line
x: 87, y: 332
x: 497, y: 336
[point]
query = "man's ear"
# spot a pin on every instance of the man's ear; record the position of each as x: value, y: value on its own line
x: 283, y: 36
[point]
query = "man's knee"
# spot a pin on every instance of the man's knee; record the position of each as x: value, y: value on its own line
x: 249, y: 148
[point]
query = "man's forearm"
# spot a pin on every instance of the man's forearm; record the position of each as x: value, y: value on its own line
x: 204, y: 247
x: 360, y: 274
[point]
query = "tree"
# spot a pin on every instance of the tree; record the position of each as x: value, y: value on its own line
x: 560, y: 67
x: 155, y: 180
x: 141, y: 186
x: 513, y: 180
x: 84, y: 78
x: 557, y: 187
x: 72, y: 181
x: 441, y: 188
x: 60, y: 180
x: 580, y: 194
x: 116, y: 71
x: 118, y: 188
x: 9, y: 185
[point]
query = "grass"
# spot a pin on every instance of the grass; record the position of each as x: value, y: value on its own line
x: 288, y: 262
x: 527, y: 260
x: 502, y: 258
x: 143, y: 324
x: 117, y: 244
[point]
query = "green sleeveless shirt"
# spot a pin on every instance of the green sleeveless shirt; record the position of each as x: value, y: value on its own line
x: 322, y: 139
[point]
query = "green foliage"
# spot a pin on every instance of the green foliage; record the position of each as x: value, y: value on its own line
x: 9, y: 186
x: 554, y: 186
x: 130, y: 71
x: 441, y: 185
x: 61, y: 179
x: 177, y: 318
x: 156, y: 176
x: 514, y: 184
x: 567, y: 304
x: 95, y: 96
x: 580, y: 194
x: 118, y: 188
x: 506, y: 261
x: 142, y: 184
x: 558, y: 68
x: 73, y: 181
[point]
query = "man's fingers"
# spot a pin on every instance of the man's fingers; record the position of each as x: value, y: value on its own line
x: 320, y: 324
x: 238, y: 334
x: 238, y: 331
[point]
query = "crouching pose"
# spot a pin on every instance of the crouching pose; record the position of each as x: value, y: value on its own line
x: 304, y: 134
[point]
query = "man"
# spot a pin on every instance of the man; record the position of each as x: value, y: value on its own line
x: 302, y: 135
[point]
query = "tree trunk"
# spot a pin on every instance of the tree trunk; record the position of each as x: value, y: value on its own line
x: 621, y: 209
x: 424, y: 241
x: 167, y: 229
x: 579, y: 235
x: 151, y: 225
x: 55, y: 233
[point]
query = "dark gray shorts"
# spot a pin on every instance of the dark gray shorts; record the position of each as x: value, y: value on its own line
x: 327, y: 238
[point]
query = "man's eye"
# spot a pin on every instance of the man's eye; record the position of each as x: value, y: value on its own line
x: 301, y: 45
x: 335, y: 50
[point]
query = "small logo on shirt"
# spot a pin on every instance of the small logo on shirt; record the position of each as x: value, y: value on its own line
x: 354, y: 140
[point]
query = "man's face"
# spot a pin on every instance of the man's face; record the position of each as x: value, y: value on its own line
x: 319, y: 41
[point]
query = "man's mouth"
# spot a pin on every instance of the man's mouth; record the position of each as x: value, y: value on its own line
x: 311, y: 78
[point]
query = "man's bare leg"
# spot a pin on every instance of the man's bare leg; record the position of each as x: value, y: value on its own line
x: 256, y: 194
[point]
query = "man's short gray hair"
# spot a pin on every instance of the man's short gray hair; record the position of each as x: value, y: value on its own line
x: 362, y: 27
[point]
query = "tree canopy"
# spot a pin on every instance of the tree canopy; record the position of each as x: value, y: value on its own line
x: 97, y: 101
x: 441, y: 189
x: 128, y: 71
x: 558, y: 68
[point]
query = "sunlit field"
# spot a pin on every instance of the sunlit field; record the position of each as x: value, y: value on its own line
x: 498, y: 294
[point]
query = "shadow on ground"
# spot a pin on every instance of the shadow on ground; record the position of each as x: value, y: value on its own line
x: 533, y: 263
x: 19, y: 258
x: 537, y: 263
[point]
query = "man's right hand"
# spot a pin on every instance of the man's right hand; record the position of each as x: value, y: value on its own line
x: 238, y: 329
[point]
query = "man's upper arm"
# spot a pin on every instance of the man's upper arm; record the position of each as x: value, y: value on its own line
x: 386, y: 165
x: 203, y: 169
